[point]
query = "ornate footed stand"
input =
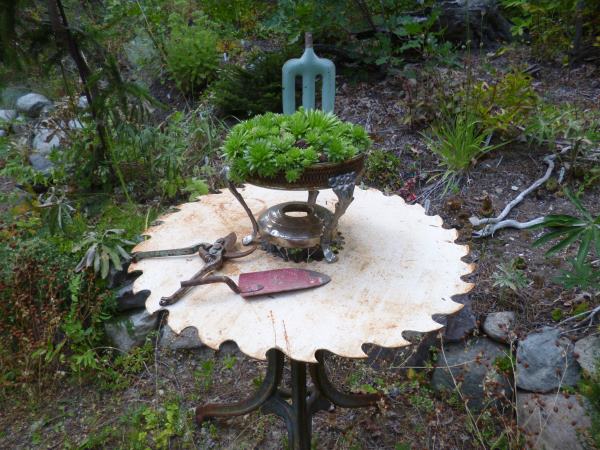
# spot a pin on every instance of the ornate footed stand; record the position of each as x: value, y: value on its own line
x: 296, y: 407
x: 304, y: 225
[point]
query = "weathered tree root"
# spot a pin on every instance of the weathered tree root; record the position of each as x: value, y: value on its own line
x: 584, y: 316
x: 491, y: 225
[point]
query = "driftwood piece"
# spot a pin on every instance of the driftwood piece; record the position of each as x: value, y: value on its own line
x: 491, y: 225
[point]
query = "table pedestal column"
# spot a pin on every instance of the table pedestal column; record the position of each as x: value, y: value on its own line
x: 296, y: 407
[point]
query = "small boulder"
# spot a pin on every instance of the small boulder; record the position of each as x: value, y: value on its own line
x: 7, y: 115
x: 2, y: 133
x: 45, y: 140
x: 40, y: 162
x: 587, y: 353
x: 546, y: 361
x: 473, y: 367
x: 130, y: 329
x: 82, y: 102
x: 187, y: 339
x: 32, y: 104
x: 499, y: 325
x: 554, y: 422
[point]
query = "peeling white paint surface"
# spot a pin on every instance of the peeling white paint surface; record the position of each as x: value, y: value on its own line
x: 398, y: 267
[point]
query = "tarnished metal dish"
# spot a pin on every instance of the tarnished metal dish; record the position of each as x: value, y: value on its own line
x: 314, y: 177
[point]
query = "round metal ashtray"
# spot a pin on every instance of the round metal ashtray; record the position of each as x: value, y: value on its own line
x: 294, y: 224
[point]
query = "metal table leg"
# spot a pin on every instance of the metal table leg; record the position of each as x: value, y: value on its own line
x: 295, y: 408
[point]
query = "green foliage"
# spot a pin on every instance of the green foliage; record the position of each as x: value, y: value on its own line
x: 254, y: 88
x: 274, y: 143
x: 590, y: 387
x: 196, y: 187
x: 326, y: 20
x: 551, y: 26
x: 236, y: 15
x: 104, y: 249
x: 510, y: 277
x: 557, y: 314
x: 568, y: 229
x: 191, y: 52
x: 549, y: 123
x: 458, y: 141
x: 409, y: 36
x: 151, y: 161
x: 204, y: 375
x: 383, y: 169
x: 571, y: 229
x: 503, y: 105
x: 143, y: 427
x: 49, y: 317
x: 506, y: 363
x: 56, y: 209
x: 582, y: 275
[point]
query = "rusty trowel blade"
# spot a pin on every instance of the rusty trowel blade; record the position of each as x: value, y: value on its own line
x: 266, y: 282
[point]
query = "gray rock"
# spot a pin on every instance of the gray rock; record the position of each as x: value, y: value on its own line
x: 545, y: 361
x: 9, y: 96
x: 587, y: 353
x: 499, y: 325
x: 40, y: 162
x: 141, y: 54
x: 459, y: 326
x: 2, y: 133
x: 474, y: 370
x: 127, y: 300
x: 7, y: 115
x: 554, y: 422
x: 130, y: 329
x: 75, y: 124
x: 45, y: 140
x: 82, y: 102
x: 32, y: 104
x: 187, y: 339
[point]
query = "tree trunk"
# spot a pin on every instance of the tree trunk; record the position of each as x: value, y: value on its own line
x: 63, y: 34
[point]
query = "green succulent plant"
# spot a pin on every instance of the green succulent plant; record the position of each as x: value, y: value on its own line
x: 271, y: 144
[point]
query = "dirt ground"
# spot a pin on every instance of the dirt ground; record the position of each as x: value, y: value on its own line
x: 411, y: 417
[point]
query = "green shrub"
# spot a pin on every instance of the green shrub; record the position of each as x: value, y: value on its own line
x: 49, y: 316
x: 191, y: 53
x: 270, y: 144
x: 458, y: 142
x: 503, y: 105
x: 383, y: 169
x: 552, y: 26
x: 255, y: 88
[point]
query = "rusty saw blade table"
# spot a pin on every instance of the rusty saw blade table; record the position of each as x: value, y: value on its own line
x: 399, y: 268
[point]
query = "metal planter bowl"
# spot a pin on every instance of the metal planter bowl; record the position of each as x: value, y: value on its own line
x: 314, y: 177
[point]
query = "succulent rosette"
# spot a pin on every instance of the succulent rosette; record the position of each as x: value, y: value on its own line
x: 270, y: 144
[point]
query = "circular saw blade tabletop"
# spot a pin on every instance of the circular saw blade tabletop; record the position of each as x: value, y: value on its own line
x: 397, y: 269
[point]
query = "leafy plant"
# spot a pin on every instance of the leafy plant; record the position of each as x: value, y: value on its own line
x: 49, y: 318
x: 458, y: 141
x: 585, y: 228
x: 103, y: 250
x: 554, y: 27
x: 191, y: 52
x: 196, y: 187
x: 383, y: 169
x: 56, y: 209
x: 254, y: 88
x: 504, y: 105
x: 508, y: 276
x: 275, y: 143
